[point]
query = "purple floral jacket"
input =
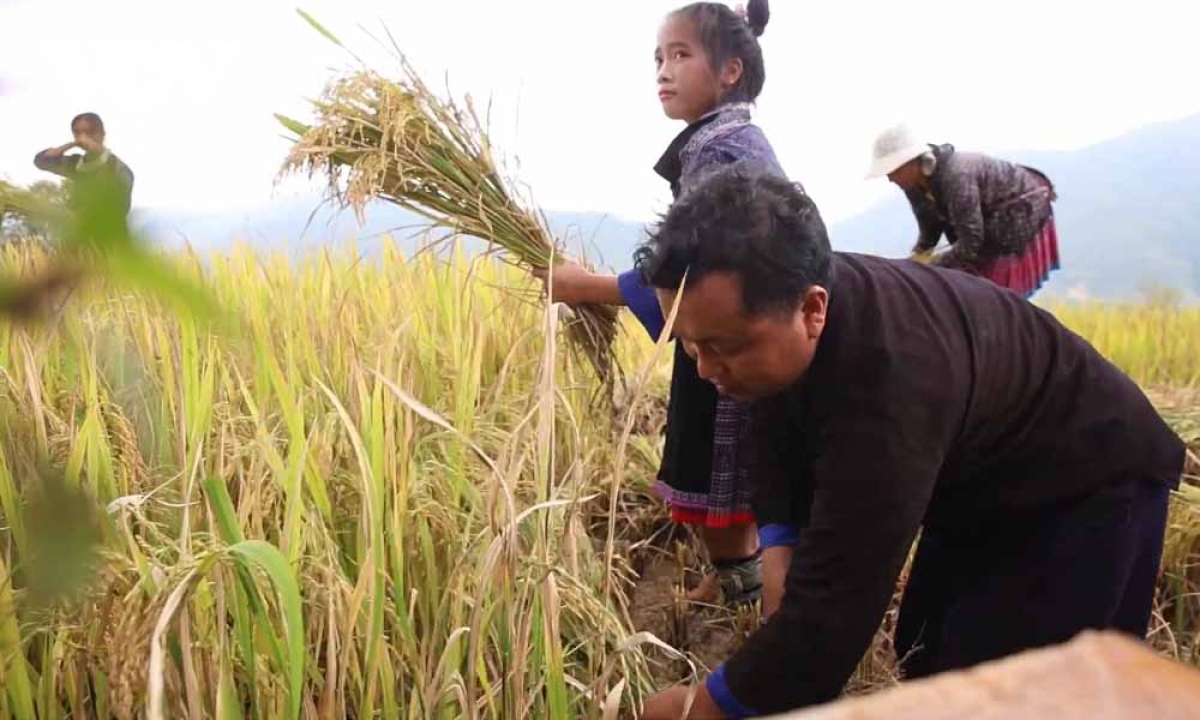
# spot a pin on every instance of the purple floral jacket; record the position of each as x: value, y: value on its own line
x: 987, y: 208
x: 724, y: 136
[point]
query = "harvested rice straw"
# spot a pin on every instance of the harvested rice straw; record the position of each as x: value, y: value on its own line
x: 377, y: 138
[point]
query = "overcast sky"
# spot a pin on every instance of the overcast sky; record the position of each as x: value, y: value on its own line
x: 188, y: 89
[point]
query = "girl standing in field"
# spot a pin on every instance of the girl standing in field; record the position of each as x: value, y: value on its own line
x: 710, y: 71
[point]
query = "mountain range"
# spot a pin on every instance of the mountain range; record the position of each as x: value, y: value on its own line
x: 1128, y: 215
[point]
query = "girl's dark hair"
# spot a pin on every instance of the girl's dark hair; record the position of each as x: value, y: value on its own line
x: 725, y: 35
x: 89, y: 117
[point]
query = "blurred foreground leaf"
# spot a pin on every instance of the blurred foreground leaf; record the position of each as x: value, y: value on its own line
x: 93, y: 238
x: 64, y: 530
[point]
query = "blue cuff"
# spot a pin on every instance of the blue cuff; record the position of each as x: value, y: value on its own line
x: 642, y: 302
x: 770, y: 536
x: 723, y: 696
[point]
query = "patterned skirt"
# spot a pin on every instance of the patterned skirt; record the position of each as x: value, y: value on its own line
x: 1026, y: 273
x: 703, y: 477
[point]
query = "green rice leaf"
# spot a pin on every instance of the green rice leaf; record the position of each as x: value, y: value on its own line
x: 222, y: 508
x: 319, y: 28
x: 268, y: 558
x: 294, y: 126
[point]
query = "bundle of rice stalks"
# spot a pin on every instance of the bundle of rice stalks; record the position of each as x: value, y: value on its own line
x: 395, y: 140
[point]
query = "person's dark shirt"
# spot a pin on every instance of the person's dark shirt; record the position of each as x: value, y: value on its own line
x: 937, y: 399
x: 986, y: 207
x: 100, y: 187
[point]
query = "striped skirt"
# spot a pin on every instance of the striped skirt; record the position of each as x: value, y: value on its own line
x: 721, y: 497
x: 1025, y: 274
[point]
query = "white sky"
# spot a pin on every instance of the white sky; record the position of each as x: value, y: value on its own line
x: 188, y: 89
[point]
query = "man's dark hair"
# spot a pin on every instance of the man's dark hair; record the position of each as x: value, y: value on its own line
x: 89, y: 117
x: 725, y: 35
x: 748, y: 221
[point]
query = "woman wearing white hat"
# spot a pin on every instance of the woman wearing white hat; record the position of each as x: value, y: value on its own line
x: 996, y: 215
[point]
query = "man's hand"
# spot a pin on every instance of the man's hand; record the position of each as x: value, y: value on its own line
x: 573, y: 285
x: 89, y: 145
x: 671, y: 703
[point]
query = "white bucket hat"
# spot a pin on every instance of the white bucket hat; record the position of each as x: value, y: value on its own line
x: 894, y: 147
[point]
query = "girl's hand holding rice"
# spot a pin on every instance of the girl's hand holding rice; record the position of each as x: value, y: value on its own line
x: 572, y: 284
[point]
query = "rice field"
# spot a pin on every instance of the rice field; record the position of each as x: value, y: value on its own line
x: 390, y: 492
x: 1155, y: 343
